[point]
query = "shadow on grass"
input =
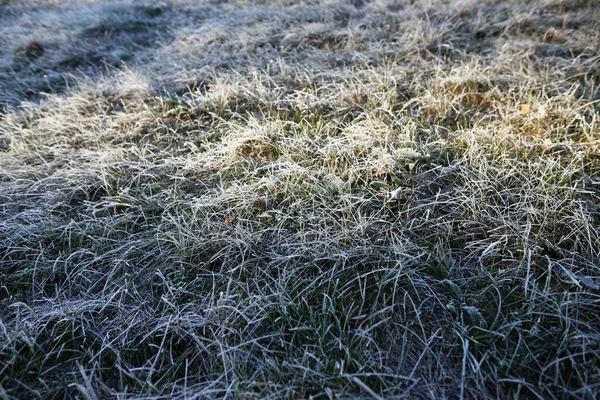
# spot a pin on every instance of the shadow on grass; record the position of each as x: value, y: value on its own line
x: 57, y: 46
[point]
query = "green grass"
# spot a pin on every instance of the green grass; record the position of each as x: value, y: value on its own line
x: 281, y: 199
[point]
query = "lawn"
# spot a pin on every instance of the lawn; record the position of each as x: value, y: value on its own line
x: 289, y: 199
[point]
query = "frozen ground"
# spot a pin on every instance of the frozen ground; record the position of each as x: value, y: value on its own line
x: 285, y: 199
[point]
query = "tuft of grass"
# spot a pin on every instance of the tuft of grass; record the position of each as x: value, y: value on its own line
x: 325, y: 199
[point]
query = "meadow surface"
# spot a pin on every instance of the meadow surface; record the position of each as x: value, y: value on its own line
x: 292, y: 199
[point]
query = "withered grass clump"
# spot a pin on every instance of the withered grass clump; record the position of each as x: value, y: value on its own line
x: 282, y: 199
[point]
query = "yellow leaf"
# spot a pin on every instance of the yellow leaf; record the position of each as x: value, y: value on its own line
x: 546, y: 144
x: 525, y: 109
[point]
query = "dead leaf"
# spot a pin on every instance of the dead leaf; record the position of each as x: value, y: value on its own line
x: 547, y: 144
